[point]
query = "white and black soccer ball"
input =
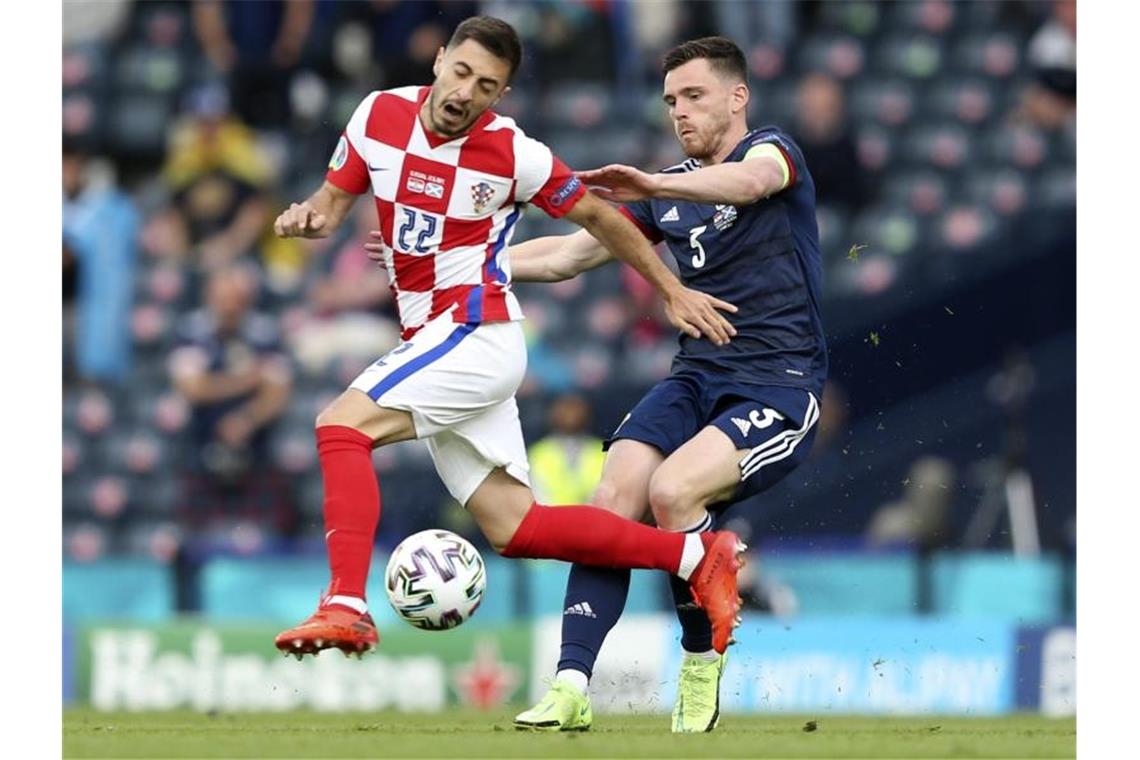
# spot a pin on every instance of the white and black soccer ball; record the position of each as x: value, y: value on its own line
x: 435, y: 579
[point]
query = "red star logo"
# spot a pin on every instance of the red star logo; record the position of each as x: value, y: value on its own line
x: 485, y: 681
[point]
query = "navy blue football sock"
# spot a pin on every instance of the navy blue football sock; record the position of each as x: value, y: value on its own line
x: 595, y: 598
x: 696, y: 630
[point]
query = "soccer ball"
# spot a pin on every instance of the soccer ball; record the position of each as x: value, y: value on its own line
x: 435, y: 579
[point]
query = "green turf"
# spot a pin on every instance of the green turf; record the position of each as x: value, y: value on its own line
x: 469, y: 734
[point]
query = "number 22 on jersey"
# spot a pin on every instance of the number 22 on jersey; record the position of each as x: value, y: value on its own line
x: 417, y: 232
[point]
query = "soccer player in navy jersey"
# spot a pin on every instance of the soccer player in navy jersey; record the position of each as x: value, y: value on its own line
x: 730, y: 420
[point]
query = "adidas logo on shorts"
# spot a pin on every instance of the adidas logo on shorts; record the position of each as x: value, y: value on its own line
x: 671, y: 216
x: 582, y: 608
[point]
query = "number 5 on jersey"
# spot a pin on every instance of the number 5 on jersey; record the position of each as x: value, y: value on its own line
x: 699, y: 256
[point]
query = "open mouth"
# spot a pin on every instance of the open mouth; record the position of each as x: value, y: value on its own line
x: 453, y: 111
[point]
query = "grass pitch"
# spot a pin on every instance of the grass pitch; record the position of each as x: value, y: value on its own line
x: 458, y: 734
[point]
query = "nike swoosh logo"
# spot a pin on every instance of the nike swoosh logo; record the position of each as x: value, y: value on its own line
x: 372, y: 168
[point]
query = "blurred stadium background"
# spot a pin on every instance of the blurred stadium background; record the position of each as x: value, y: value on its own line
x: 921, y: 561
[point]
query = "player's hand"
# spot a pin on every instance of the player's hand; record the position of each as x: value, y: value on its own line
x: 301, y: 220
x: 620, y: 183
x: 375, y: 246
x: 695, y: 313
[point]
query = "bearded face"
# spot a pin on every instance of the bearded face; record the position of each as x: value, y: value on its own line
x: 702, y: 104
x: 469, y: 79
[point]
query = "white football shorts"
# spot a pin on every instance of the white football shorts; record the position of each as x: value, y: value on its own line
x: 458, y: 381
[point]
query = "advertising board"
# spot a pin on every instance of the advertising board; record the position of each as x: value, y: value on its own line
x: 235, y: 668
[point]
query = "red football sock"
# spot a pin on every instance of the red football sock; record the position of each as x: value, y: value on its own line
x: 594, y: 536
x: 352, y: 505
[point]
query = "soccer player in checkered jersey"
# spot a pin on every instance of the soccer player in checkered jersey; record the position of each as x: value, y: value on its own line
x: 731, y: 420
x: 449, y: 179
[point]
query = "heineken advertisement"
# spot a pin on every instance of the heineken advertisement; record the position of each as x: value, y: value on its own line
x: 235, y: 668
x: 870, y: 665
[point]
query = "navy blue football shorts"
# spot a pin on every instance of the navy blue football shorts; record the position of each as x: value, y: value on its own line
x: 774, y: 424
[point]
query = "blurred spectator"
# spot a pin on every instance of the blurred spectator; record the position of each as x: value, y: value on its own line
x: 1050, y: 101
x: 547, y: 371
x: 760, y: 592
x: 765, y: 31
x: 395, y: 23
x: 650, y: 325
x: 231, y: 368
x: 257, y: 45
x: 219, y: 179
x: 656, y: 28
x: 828, y: 144
x: 70, y: 286
x: 352, y: 314
x: 919, y: 519
x: 773, y: 22
x: 387, y: 43
x: 566, y: 465
x: 415, y: 66
x: 94, y: 22
x: 100, y: 250
x: 834, y: 410
x: 580, y: 32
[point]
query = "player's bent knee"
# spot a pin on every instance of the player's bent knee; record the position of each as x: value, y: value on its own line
x: 357, y: 411
x: 666, y: 494
x: 673, y: 502
x: 606, y: 495
x: 614, y: 498
x: 499, y: 506
x: 500, y: 530
x: 346, y: 412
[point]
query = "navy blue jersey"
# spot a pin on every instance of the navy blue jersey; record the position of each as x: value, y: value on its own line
x: 203, y: 346
x: 765, y: 259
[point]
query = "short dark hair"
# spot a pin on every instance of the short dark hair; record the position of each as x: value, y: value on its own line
x: 725, y: 57
x: 496, y: 35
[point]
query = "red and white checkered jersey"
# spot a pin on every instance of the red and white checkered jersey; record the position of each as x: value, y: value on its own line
x: 448, y: 207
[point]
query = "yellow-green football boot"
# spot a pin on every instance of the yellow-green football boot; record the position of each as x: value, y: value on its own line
x: 697, y: 708
x: 564, y: 708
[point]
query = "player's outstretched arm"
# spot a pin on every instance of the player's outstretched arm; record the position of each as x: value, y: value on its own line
x: 690, y: 311
x: 317, y: 217
x: 736, y: 182
x: 546, y: 259
x: 557, y: 257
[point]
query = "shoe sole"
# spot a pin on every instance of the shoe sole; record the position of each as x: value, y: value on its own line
x: 300, y: 646
x: 348, y: 651
x: 548, y: 726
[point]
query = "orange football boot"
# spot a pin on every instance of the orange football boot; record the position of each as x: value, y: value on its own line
x: 713, y: 584
x: 330, y: 627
